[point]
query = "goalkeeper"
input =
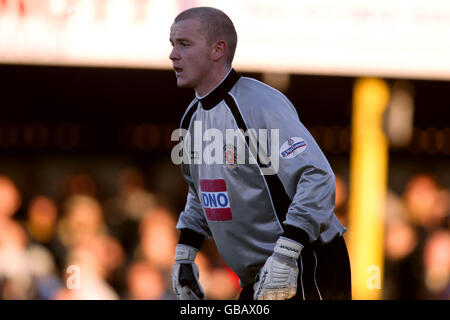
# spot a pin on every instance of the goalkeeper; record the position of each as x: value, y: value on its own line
x: 272, y: 220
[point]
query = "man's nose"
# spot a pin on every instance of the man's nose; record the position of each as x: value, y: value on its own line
x: 174, y: 54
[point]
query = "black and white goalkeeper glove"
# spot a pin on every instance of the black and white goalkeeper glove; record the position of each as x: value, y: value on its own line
x: 185, y: 274
x: 277, y: 279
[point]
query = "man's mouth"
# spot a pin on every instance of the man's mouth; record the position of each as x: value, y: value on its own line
x: 178, y: 69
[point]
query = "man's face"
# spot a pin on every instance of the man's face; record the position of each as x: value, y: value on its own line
x: 190, y: 54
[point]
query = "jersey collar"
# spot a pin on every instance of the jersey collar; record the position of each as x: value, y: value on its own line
x: 218, y: 94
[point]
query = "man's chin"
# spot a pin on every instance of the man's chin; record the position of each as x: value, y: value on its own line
x: 183, y: 84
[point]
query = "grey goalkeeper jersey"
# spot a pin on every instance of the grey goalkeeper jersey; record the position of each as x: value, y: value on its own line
x: 232, y: 195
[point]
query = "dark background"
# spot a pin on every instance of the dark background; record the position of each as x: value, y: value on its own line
x: 56, y: 119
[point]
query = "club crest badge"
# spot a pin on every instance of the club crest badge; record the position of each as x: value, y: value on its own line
x: 229, y: 155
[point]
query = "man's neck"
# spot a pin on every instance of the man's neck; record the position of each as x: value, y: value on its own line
x: 222, y: 76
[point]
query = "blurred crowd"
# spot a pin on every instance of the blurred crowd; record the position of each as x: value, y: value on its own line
x: 417, y: 242
x: 123, y: 247
x: 84, y: 248
x: 417, y: 238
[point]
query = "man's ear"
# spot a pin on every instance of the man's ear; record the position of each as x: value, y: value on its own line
x: 219, y: 50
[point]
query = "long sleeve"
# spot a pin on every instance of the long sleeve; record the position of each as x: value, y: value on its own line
x: 192, y: 216
x: 303, y: 168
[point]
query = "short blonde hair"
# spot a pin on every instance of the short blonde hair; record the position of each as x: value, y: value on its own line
x: 216, y: 25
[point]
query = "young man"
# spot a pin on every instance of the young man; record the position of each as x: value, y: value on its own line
x: 272, y: 220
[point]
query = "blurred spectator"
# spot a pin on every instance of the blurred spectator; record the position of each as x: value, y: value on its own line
x: 437, y: 265
x: 403, y: 268
x: 41, y: 220
x: 109, y: 263
x: 145, y: 282
x: 133, y: 200
x: 27, y: 271
x: 400, y: 236
x: 426, y: 203
x: 114, y: 264
x: 222, y: 285
x: 83, y: 217
x: 13, y: 261
x: 203, y: 262
x: 158, y: 239
x: 41, y: 224
x: 400, y: 240
x: 88, y: 255
x: 80, y: 184
x: 124, y: 212
x: 10, y: 199
x: 409, y: 223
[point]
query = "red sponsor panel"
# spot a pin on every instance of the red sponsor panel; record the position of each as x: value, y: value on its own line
x: 215, y: 199
x: 213, y: 185
x: 219, y: 214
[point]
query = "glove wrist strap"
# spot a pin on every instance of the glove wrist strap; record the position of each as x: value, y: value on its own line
x: 288, y: 248
x: 185, y: 253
